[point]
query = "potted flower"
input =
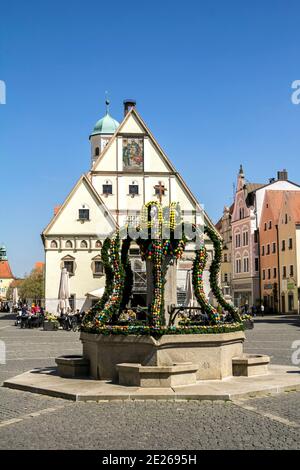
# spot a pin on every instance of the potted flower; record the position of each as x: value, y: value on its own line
x: 51, y: 322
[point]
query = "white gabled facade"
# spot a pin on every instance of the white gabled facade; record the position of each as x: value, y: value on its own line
x: 128, y: 169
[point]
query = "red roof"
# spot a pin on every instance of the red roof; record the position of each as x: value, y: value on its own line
x: 39, y: 265
x: 5, y: 271
x: 293, y: 199
x: 275, y: 198
x: 56, y: 209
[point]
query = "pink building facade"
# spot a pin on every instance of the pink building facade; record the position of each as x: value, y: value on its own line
x: 245, y: 222
x: 245, y: 251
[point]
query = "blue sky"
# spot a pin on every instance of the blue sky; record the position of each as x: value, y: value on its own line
x: 212, y: 80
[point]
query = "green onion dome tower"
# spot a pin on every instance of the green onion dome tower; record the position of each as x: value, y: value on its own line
x: 103, y: 130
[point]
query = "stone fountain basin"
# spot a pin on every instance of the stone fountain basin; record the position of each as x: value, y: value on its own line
x: 211, y: 353
x: 248, y: 365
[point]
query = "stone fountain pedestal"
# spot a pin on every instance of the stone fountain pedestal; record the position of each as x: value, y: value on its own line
x: 209, y: 354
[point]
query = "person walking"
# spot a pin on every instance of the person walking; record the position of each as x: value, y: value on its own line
x: 262, y: 310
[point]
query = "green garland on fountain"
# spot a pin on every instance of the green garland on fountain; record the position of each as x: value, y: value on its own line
x: 156, y: 247
x: 214, y: 274
x: 158, y: 284
x: 157, y: 332
x: 109, y: 275
x: 114, y: 287
x: 198, y: 268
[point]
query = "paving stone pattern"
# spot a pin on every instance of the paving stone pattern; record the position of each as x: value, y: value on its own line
x: 30, y: 421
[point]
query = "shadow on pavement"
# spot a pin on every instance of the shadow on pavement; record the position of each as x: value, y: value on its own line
x: 7, y: 316
x: 280, y: 319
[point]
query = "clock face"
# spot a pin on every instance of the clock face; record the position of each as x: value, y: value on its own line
x: 104, y: 143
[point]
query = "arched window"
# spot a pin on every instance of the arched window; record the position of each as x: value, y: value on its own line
x: 245, y: 237
x: 83, y: 244
x: 68, y: 262
x: 245, y: 262
x: 97, y: 266
x: 69, y: 244
x: 238, y: 264
x: 97, y: 151
x: 53, y: 244
x: 237, y: 238
x: 98, y: 244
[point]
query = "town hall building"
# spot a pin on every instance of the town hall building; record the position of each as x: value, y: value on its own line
x: 128, y: 169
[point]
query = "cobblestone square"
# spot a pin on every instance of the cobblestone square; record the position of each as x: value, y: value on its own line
x: 31, y: 421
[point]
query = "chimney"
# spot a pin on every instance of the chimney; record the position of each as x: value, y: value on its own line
x: 128, y: 105
x: 282, y: 175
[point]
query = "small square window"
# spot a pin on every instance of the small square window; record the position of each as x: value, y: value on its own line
x: 133, y: 189
x: 107, y: 188
x: 84, y: 214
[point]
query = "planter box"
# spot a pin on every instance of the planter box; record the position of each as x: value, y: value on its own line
x: 248, y: 324
x: 248, y: 365
x: 50, y: 325
x: 72, y: 366
x: 211, y: 353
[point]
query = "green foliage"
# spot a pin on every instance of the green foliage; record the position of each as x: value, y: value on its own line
x: 198, y: 268
x: 111, y: 308
x: 33, y: 286
x: 157, y: 332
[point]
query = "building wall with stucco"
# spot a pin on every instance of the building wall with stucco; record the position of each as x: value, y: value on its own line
x: 107, y: 211
x: 4, y: 285
x: 289, y: 277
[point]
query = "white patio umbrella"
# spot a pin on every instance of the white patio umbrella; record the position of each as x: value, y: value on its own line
x: 64, y: 292
x: 15, y: 297
x: 190, y: 300
x: 97, y: 293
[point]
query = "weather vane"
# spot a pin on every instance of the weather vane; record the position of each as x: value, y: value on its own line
x: 107, y: 102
